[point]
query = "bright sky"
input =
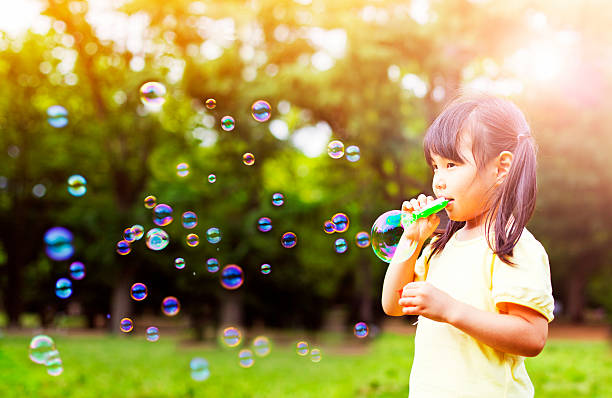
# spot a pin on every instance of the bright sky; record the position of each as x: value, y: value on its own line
x: 16, y: 16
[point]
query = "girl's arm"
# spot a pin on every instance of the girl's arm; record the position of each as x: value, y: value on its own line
x: 399, y: 273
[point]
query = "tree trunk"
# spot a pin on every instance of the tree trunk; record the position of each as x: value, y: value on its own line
x: 121, y: 304
x: 365, y: 289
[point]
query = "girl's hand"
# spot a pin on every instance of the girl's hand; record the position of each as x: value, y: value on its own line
x: 422, y: 228
x: 423, y: 298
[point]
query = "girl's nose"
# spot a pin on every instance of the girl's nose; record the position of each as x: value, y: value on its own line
x: 438, y: 184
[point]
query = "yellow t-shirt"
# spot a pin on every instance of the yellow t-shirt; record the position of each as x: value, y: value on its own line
x: 447, y: 361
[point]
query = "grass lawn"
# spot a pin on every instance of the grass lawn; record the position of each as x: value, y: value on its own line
x: 133, y: 367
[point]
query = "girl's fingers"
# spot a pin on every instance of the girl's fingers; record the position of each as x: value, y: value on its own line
x: 406, y: 206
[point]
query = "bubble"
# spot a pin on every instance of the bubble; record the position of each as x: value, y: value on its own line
x: 228, y: 123
x: 261, y: 111
x: 353, y: 153
x: 153, y: 94
x: 386, y: 233
x: 54, y: 364
x: 261, y: 345
x: 302, y: 348
x: 128, y: 235
x: 278, y: 199
x: 264, y: 224
x: 212, y: 178
x: 138, y: 291
x: 362, y: 239
x: 138, y: 231
x: 57, y: 116
x: 77, y: 270
x: 361, y: 330
x: 179, y: 263
x: 152, y: 333
x: 232, y: 336
x: 231, y: 277
x: 246, y: 358
x: 162, y: 215
x: 329, y: 227
x: 77, y: 185
x: 150, y: 202
x: 315, y: 355
x: 190, y: 220
x: 335, y: 149
x: 157, y: 239
x: 40, y: 347
x: 171, y: 306
x: 340, y: 245
x: 289, y: 240
x: 248, y: 159
x: 265, y: 269
x: 193, y: 240
x: 213, y: 235
x: 182, y: 169
x: 58, y: 241
x: 123, y: 247
x: 199, y: 369
x: 126, y: 325
x: 212, y: 264
x: 63, y: 288
x: 211, y: 103
x: 341, y: 222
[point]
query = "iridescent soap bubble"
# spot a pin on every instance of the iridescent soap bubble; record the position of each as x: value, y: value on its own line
x: 129, y: 235
x: 54, y: 364
x: 138, y: 231
x: 362, y: 239
x: 335, y: 149
x: 153, y: 94
x: 315, y: 355
x: 212, y: 178
x: 361, y: 330
x: 77, y: 270
x: 138, y: 291
x: 288, y: 240
x: 192, y: 240
x: 126, y: 325
x: 302, y: 348
x: 261, y: 111
x: 57, y: 116
x: 386, y: 233
x: 211, y: 103
x: 265, y: 269
x: 179, y: 263
x: 264, y: 224
x: 340, y: 245
x: 261, y: 345
x: 232, y: 277
x: 341, y: 222
x: 150, y: 202
x: 162, y: 215
x: 40, y: 347
x: 278, y: 199
x: 170, y: 306
x: 58, y: 244
x: 248, y: 159
x: 231, y: 336
x: 353, y: 153
x: 245, y: 358
x: 182, y: 169
x: 157, y: 239
x: 212, y: 264
x: 329, y: 227
x: 213, y: 235
x: 228, y: 123
x: 199, y: 369
x: 190, y: 220
x: 123, y: 247
x: 152, y: 333
x: 63, y: 288
x: 77, y: 185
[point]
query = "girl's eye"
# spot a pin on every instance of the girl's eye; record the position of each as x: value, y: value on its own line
x: 450, y: 165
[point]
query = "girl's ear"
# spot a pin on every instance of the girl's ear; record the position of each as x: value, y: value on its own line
x: 504, y: 161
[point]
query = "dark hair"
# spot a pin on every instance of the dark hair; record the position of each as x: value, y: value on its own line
x: 495, y: 125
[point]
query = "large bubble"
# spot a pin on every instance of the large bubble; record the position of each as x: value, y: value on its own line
x: 386, y: 233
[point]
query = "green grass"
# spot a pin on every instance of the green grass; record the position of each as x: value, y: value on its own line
x: 133, y: 367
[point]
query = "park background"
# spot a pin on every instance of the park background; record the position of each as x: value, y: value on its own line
x: 369, y: 73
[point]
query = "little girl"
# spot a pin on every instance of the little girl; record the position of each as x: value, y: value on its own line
x: 482, y: 288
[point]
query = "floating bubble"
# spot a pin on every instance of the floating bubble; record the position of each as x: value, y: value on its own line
x: 231, y: 277
x: 335, y: 149
x: 63, y: 288
x: 77, y: 270
x: 138, y: 231
x: 353, y: 153
x: 289, y: 240
x: 123, y: 247
x: 261, y: 345
x: 248, y: 159
x: 150, y: 202
x: 199, y: 369
x: 329, y: 227
x: 211, y: 103
x: 40, y: 347
x: 361, y: 330
x: 171, y: 306
x: 362, y: 239
x: 232, y: 336
x: 340, y: 245
x: 129, y: 235
x: 302, y: 348
x: 212, y: 178
x: 54, y: 364
x: 264, y: 224
x: 157, y: 239
x: 138, y: 291
x: 57, y: 116
x: 179, y: 263
x: 341, y: 222
x: 190, y: 220
x: 212, y: 264
x: 265, y: 269
x: 182, y: 169
x: 193, y: 240
x: 246, y: 358
x: 152, y: 333
x: 228, y: 123
x: 261, y: 111
x: 386, y: 233
x: 126, y: 325
x: 162, y: 215
x: 58, y: 241
x: 153, y: 94
x: 213, y: 235
x: 315, y: 355
x: 77, y: 185
x: 278, y: 199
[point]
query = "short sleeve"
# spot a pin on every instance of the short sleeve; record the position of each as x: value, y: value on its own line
x: 527, y: 282
x: 421, y: 266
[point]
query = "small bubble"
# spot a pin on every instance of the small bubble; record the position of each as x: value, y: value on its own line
x: 212, y: 178
x: 211, y: 103
x: 138, y: 291
x: 77, y: 270
x: 246, y: 358
x: 77, y: 185
x: 335, y: 149
x: 341, y: 222
x: 171, y: 306
x: 57, y: 116
x: 126, y: 325
x: 153, y: 94
x: 193, y: 240
x: 288, y: 240
x: 278, y: 199
x: 212, y: 264
x: 266, y: 269
x: 362, y: 239
x: 199, y: 369
x: 340, y: 245
x: 152, y: 333
x: 150, y: 202
x: 228, y: 123
x: 182, y: 169
x: 302, y: 348
x: 261, y: 111
x: 213, y: 235
x: 353, y: 153
x: 232, y: 277
x: 123, y: 247
x: 361, y: 330
x: 179, y: 263
x: 248, y: 159
x: 232, y: 336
